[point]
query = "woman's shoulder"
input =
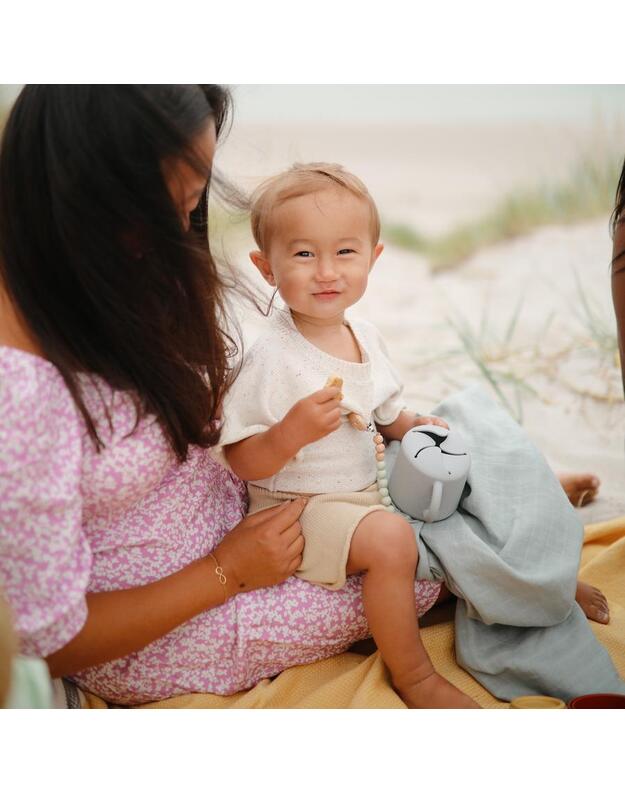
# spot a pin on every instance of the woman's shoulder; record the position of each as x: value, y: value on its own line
x: 45, y: 560
x: 18, y: 359
x: 25, y: 378
x: 36, y: 407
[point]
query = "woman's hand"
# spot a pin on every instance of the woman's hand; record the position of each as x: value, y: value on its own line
x: 263, y: 549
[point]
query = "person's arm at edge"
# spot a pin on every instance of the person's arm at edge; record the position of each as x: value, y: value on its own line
x: 618, y: 290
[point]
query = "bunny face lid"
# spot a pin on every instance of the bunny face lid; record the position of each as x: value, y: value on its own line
x: 437, y: 452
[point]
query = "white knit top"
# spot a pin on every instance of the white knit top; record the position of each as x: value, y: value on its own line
x: 280, y: 368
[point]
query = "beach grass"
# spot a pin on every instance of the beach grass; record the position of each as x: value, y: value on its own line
x: 510, y: 365
x: 491, y: 352
x: 600, y: 328
x: 587, y: 193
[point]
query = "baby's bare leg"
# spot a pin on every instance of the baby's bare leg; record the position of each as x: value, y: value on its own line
x: 384, y: 549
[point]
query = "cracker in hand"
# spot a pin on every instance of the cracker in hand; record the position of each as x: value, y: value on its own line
x: 355, y: 420
x: 334, y: 380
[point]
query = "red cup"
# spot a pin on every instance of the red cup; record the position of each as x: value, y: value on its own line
x: 603, y: 700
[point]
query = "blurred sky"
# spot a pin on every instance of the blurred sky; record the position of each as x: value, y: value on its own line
x: 419, y: 103
x: 427, y: 103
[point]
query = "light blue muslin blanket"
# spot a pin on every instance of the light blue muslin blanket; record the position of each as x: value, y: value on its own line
x: 511, y: 553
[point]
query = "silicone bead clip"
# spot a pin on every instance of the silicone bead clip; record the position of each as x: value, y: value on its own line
x: 382, y: 476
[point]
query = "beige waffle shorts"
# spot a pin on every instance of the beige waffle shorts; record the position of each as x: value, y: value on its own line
x: 328, y: 523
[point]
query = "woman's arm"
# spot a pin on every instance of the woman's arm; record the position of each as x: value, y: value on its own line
x: 122, y: 621
x: 262, y: 550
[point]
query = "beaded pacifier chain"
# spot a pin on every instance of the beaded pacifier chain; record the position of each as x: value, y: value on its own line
x: 358, y: 423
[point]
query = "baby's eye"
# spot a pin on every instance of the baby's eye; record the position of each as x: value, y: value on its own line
x: 305, y: 254
x: 347, y: 251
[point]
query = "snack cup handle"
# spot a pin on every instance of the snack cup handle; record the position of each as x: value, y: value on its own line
x: 435, y: 504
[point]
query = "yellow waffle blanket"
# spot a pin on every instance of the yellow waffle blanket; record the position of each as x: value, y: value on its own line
x: 353, y: 680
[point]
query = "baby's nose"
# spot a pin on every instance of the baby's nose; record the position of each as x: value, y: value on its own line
x: 326, y: 270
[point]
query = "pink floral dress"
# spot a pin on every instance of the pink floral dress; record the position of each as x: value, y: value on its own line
x: 74, y: 521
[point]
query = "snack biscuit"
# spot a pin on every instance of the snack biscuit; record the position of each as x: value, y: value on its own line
x: 334, y: 380
x: 355, y: 420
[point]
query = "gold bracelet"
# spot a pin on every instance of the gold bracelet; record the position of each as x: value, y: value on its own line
x: 219, y: 572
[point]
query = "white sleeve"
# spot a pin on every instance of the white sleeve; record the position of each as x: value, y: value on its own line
x: 389, y: 387
x: 247, y: 408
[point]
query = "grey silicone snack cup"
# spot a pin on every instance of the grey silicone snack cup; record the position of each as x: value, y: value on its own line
x: 430, y: 473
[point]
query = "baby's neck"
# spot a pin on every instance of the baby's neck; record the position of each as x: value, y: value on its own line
x: 318, y: 325
x: 332, y: 335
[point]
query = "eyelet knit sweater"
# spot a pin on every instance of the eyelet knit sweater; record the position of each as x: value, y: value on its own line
x: 281, y: 368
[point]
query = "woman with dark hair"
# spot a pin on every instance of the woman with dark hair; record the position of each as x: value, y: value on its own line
x: 122, y: 542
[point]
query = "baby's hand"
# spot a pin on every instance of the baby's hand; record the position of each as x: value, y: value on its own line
x: 430, y: 420
x: 313, y: 417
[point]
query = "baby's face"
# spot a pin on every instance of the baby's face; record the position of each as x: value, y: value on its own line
x: 321, y: 252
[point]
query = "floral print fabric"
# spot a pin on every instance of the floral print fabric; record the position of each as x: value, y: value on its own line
x: 74, y: 521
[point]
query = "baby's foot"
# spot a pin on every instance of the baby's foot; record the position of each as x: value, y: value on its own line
x: 593, y: 602
x: 579, y: 488
x: 435, y: 692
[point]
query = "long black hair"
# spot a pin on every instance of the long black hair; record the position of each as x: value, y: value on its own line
x: 94, y: 254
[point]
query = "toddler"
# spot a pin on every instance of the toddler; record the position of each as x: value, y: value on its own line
x: 317, y: 231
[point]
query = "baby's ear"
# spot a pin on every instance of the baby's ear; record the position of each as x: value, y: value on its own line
x: 264, y: 267
x: 376, y: 253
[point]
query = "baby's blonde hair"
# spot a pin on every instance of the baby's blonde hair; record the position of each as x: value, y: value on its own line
x: 301, y: 179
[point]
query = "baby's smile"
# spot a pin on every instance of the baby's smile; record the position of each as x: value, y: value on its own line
x: 326, y: 295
